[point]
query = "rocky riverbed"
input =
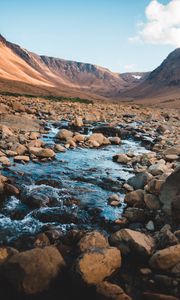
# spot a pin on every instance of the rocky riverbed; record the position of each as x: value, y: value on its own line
x: 89, y: 200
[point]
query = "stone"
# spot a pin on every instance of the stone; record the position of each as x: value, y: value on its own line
x: 170, y: 190
x: 94, y: 265
x: 59, y: 148
x: 64, y: 134
x: 21, y: 158
x: 158, y: 169
x: 34, y: 135
x: 6, y: 253
x: 5, y: 131
x: 150, y: 226
x: 5, y: 161
x: 156, y: 296
x: 108, y: 291
x: 134, y: 240
x: 11, y: 189
x: 98, y: 138
x: 166, y: 258
x: 115, y: 140
x: 135, y: 198
x: 32, y: 271
x: 114, y: 200
x: 121, y: 158
x: 92, y: 239
x: 139, y: 180
x: 78, y: 122
x: 171, y: 157
x: 42, y: 152
x: 79, y: 138
x: 152, y: 201
x: 173, y: 151
x: 21, y: 150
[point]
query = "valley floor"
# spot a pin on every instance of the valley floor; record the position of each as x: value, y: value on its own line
x: 89, y: 200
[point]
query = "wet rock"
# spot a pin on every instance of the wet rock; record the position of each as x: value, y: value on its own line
x: 59, y: 148
x: 64, y: 134
x: 79, y: 138
x: 78, y: 122
x: 93, y: 266
x: 166, y: 258
x: 151, y: 201
x: 11, y: 189
x: 65, y: 215
x: 32, y: 271
x: 170, y: 190
x: 132, y: 240
x: 42, y: 152
x: 114, y: 200
x: 5, y: 161
x: 121, y: 158
x: 53, y: 181
x: 21, y: 149
x: 115, y: 140
x: 139, y: 180
x: 108, y: 131
x: 108, y: 291
x: 92, y: 239
x: 99, y: 139
x: 21, y: 158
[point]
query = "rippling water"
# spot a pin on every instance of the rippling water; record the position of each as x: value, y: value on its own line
x: 87, y: 175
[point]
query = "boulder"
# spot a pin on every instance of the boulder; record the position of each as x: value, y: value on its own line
x: 78, y: 122
x: 5, y: 161
x: 139, y: 180
x: 98, y: 138
x: 94, y: 265
x: 59, y: 148
x: 64, y: 134
x: 42, y: 152
x: 166, y: 258
x: 115, y: 140
x: 170, y: 190
x: 21, y: 158
x: 135, y: 198
x: 32, y: 271
x: 121, y: 158
x: 92, y: 239
x: 151, y: 201
x: 133, y: 241
x: 108, y: 291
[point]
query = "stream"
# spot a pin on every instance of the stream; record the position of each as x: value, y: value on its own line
x: 68, y: 192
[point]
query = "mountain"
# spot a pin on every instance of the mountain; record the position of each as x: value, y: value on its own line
x: 161, y: 85
x: 26, y: 72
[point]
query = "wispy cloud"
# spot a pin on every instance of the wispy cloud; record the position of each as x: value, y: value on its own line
x: 162, y: 25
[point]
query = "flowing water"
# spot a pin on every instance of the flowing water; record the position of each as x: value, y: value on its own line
x: 76, y: 185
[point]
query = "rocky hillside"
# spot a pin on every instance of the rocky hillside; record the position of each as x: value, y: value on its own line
x: 162, y: 84
x: 23, y: 69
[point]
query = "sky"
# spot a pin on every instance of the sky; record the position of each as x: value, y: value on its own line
x: 121, y: 35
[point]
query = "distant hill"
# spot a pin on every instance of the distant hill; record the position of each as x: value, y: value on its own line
x: 26, y: 72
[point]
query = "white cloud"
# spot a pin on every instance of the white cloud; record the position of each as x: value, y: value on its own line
x: 130, y: 68
x: 162, y: 25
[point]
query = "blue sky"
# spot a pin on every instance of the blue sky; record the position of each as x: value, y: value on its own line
x: 95, y: 31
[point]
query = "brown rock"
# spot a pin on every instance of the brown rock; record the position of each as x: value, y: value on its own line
x: 166, y: 258
x: 93, y: 239
x: 108, y: 291
x: 32, y: 271
x: 93, y: 266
